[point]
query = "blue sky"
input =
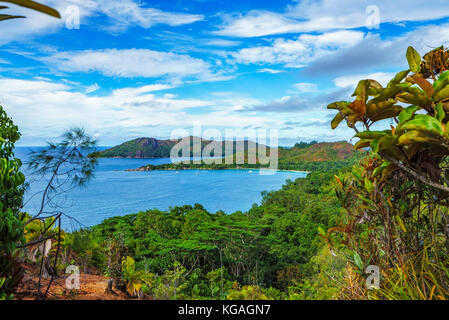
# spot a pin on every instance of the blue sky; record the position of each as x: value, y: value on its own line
x: 145, y: 68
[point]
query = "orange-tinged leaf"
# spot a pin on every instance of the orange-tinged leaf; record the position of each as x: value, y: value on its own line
x: 338, y: 181
x: 424, y: 84
x: 358, y: 107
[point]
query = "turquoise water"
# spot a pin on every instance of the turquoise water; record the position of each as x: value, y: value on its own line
x: 115, y: 192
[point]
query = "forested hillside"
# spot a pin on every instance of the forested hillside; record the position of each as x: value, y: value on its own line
x: 271, y: 251
x: 303, y: 156
x: 154, y: 148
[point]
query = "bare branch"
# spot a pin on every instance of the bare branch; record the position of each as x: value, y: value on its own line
x: 419, y: 177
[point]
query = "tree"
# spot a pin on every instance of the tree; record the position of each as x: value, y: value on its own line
x: 65, y: 165
x: 11, y: 198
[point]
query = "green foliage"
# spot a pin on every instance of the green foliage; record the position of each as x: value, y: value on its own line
x: 396, y: 204
x: 140, y: 148
x: 171, y: 285
x: 154, y: 148
x: 134, y: 279
x: 11, y: 191
x: 247, y: 293
x: 71, y: 162
x: 196, y: 254
x: 303, y: 156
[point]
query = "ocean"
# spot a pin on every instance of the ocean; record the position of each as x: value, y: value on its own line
x: 115, y: 192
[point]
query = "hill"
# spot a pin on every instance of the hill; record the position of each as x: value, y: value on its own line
x: 316, y: 152
x: 154, y: 148
x: 140, y: 148
x: 303, y: 156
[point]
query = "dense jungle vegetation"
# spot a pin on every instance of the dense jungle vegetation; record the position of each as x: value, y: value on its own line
x: 317, y: 238
x: 274, y: 250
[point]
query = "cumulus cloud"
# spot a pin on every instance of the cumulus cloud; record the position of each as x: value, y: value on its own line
x: 126, y: 13
x: 43, y: 109
x: 295, y: 53
x: 374, y: 52
x: 325, y: 15
x: 257, y: 23
x: 129, y: 63
x: 120, y: 14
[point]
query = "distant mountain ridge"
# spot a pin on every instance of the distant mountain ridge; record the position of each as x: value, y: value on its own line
x: 140, y: 148
x: 301, y: 152
x: 154, y: 148
x: 318, y: 152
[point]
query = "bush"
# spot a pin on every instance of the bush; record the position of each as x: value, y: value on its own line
x: 11, y: 199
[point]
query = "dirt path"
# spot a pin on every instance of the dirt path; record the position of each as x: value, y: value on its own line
x: 92, y: 287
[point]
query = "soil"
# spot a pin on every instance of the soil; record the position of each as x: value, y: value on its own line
x: 92, y: 287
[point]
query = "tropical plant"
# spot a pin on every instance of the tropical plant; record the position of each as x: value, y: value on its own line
x: 171, y: 284
x: 247, y: 293
x: 397, y: 198
x: 134, y: 279
x: 64, y: 165
x: 11, y: 198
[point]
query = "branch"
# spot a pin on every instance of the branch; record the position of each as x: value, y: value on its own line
x: 417, y: 176
x: 350, y: 124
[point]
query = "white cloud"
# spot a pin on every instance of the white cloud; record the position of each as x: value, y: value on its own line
x: 304, y: 48
x: 129, y: 63
x: 43, y: 109
x: 305, y: 87
x: 325, y: 15
x: 126, y: 13
x: 257, y: 23
x: 268, y: 70
x: 92, y: 88
x: 354, y: 13
x: 375, y: 53
x: 121, y: 15
x: 222, y: 43
x: 352, y: 80
x: 34, y: 24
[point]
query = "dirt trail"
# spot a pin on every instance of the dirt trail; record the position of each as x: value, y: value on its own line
x: 92, y: 287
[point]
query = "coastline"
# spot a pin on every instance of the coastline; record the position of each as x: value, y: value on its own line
x: 213, y: 169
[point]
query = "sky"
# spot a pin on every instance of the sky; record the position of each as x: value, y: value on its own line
x: 124, y: 69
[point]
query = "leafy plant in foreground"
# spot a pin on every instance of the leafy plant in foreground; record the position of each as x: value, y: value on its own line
x: 397, y: 198
x: 11, y: 191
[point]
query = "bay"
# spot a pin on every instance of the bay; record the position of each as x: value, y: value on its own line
x: 115, y: 192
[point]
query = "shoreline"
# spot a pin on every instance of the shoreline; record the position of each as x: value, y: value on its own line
x: 212, y: 169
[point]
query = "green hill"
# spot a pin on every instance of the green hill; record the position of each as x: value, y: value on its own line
x: 140, y: 148
x: 303, y: 156
x: 321, y: 156
x: 316, y: 152
x: 154, y: 148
